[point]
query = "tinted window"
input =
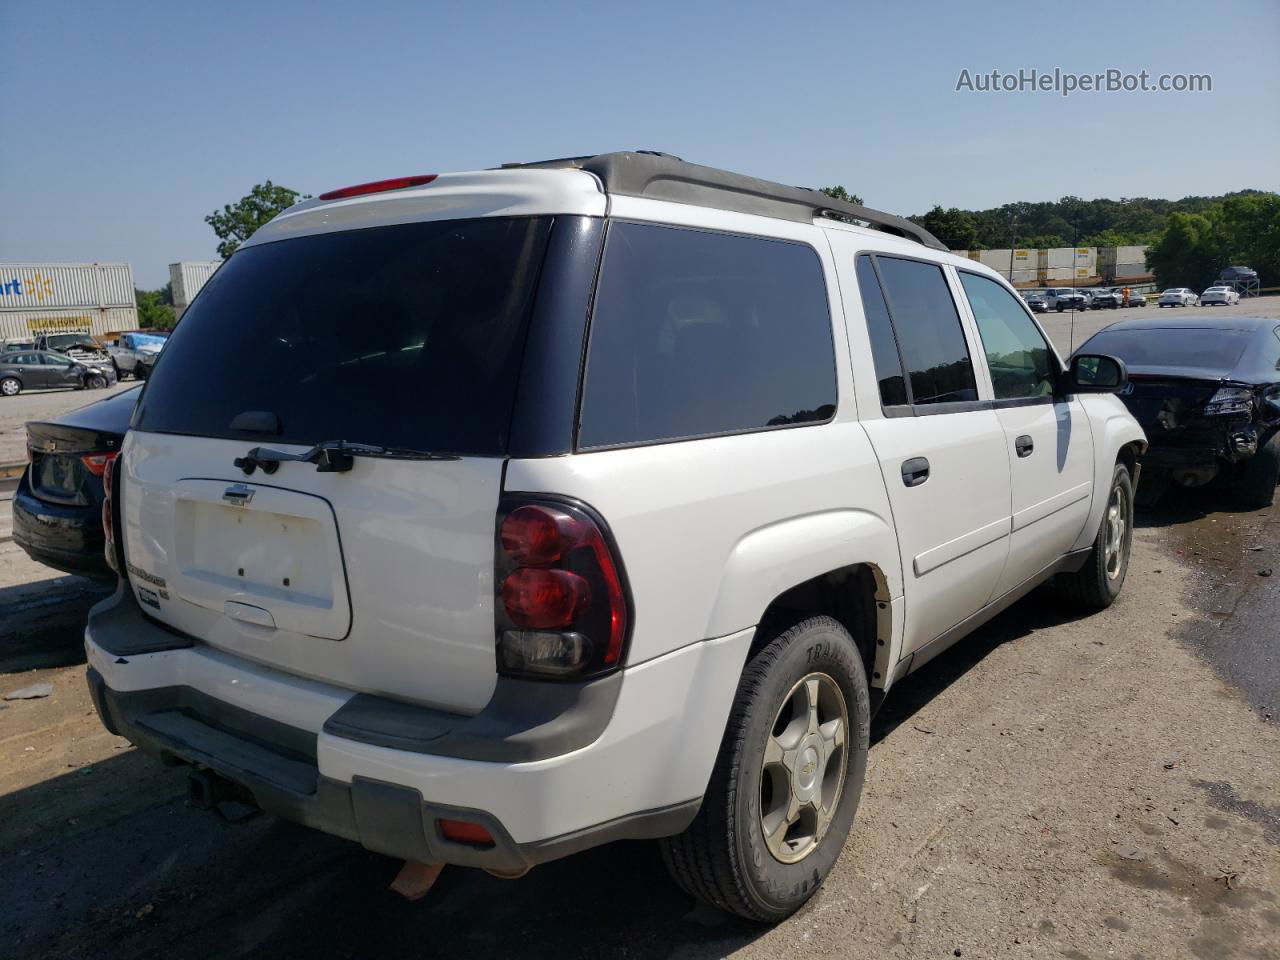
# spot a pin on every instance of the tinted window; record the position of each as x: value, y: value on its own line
x: 405, y: 336
x: 1201, y: 347
x: 884, y: 350
x: 929, y: 332
x: 700, y: 333
x: 1020, y: 361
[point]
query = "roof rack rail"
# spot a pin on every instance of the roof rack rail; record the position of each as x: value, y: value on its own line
x: 661, y: 176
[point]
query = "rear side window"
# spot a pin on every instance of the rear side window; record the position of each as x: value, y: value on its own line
x: 1019, y: 358
x: 939, y: 369
x: 698, y: 333
x: 884, y: 349
x: 407, y: 336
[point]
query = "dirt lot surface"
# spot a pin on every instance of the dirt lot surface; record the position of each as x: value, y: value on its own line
x: 1054, y: 786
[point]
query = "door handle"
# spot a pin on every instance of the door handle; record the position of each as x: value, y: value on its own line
x: 915, y: 471
x: 1024, y: 445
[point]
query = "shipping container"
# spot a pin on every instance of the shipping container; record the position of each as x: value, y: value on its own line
x: 96, y: 321
x: 1057, y: 257
x: 187, y: 277
x: 1132, y: 270
x: 1022, y: 277
x: 1054, y: 275
x: 35, y: 286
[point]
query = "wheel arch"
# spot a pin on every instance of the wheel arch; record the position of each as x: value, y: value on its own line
x: 842, y: 563
x: 1117, y: 438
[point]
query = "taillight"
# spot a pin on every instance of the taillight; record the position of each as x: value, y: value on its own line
x: 378, y: 186
x: 96, y: 463
x: 561, y: 607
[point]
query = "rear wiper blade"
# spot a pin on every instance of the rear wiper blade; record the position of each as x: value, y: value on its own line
x: 330, y: 456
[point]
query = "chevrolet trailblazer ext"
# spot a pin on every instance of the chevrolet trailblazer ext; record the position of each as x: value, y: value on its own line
x: 523, y: 510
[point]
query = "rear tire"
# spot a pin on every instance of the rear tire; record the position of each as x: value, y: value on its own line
x: 1096, y: 585
x: 10, y: 387
x: 1261, y: 473
x: 746, y: 852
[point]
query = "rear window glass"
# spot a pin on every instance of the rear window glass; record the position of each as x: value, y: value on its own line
x: 698, y: 333
x: 884, y: 348
x: 407, y: 336
x: 1199, y: 347
x: 929, y: 332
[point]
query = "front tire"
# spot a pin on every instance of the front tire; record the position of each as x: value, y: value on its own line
x: 10, y: 386
x: 1261, y: 473
x: 787, y: 780
x: 95, y: 382
x: 1096, y: 585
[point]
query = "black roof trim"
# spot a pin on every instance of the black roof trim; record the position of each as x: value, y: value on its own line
x: 660, y: 176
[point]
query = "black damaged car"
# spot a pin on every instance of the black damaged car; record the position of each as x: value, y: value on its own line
x: 57, y: 508
x: 1207, y: 392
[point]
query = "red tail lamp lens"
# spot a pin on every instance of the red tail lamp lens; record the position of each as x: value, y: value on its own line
x: 464, y: 831
x: 97, y: 463
x: 544, y: 598
x: 531, y: 535
x: 378, y: 186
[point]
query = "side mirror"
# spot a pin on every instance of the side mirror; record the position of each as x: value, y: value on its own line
x: 1098, y: 373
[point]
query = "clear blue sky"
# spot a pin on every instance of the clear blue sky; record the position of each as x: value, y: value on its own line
x: 126, y: 123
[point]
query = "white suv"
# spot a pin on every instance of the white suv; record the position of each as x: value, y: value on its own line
x: 487, y: 517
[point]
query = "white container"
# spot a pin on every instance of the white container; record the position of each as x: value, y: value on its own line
x: 1057, y: 257
x: 187, y: 277
x: 97, y: 321
x: 1132, y: 269
x: 1055, y: 275
x: 41, y: 286
x: 1022, y: 277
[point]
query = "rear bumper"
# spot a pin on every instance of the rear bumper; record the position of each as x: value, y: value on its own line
x: 641, y: 774
x: 68, y: 538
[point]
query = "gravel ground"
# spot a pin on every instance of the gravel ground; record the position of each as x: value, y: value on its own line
x: 1054, y: 786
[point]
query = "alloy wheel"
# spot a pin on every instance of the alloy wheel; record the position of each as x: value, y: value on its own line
x: 805, y: 760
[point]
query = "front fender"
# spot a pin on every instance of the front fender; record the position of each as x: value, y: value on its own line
x: 772, y: 559
x: 1113, y: 427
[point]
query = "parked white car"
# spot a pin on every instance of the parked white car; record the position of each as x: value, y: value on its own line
x: 1178, y: 297
x: 1219, y: 294
x: 415, y: 561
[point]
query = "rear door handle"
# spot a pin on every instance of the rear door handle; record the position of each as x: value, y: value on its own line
x: 1024, y: 445
x: 915, y: 471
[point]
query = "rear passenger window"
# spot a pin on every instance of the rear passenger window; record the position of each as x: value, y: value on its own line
x: 939, y: 368
x: 698, y: 333
x: 884, y: 349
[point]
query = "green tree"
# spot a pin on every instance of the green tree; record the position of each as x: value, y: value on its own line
x: 1249, y: 228
x: 155, y: 308
x: 840, y: 193
x: 236, y: 223
x: 1188, y: 254
x: 956, y: 228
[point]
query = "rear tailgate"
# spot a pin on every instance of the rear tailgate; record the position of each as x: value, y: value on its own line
x: 378, y: 579
x: 58, y: 475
